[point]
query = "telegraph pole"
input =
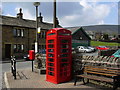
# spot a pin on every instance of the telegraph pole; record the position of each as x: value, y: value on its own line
x: 54, y: 15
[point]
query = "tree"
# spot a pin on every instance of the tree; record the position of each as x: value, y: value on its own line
x: 105, y: 36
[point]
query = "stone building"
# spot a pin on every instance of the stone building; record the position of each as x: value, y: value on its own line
x: 19, y: 35
x: 79, y: 37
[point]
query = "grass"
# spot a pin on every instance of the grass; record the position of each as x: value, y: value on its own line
x: 98, y: 43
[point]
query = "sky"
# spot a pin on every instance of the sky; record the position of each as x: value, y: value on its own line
x: 69, y: 14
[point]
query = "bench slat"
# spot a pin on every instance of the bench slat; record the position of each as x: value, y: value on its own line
x: 105, y: 69
x: 100, y: 73
x: 92, y: 77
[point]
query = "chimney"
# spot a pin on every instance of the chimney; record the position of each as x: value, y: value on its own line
x: 20, y: 15
x: 40, y: 18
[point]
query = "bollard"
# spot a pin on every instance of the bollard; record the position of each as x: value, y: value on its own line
x: 13, y: 66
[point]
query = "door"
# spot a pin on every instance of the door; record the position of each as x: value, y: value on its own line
x: 64, y: 58
x: 7, y: 50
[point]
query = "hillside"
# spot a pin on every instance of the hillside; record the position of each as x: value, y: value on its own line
x: 110, y: 29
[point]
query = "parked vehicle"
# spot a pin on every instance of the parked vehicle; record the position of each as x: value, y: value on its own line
x: 26, y: 57
x: 116, y: 54
x: 42, y: 51
x: 83, y: 49
x: 93, y: 49
x: 102, y: 48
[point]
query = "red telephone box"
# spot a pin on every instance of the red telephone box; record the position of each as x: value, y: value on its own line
x: 58, y: 55
x: 31, y: 54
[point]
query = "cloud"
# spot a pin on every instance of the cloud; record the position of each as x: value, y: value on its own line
x: 26, y: 13
x: 10, y: 15
x: 69, y: 13
x: 92, y: 13
x: 101, y: 22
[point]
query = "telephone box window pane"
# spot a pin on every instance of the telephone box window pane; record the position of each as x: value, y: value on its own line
x: 50, y: 64
x: 66, y: 34
x: 51, y: 69
x: 61, y: 74
x: 50, y: 55
x: 64, y: 64
x: 64, y: 50
x: 51, y: 59
x: 50, y: 41
x: 64, y: 55
x: 51, y: 73
x: 64, y: 46
x: 65, y: 73
x: 51, y: 46
x: 64, y: 41
x: 51, y: 34
x: 64, y: 60
x: 50, y: 50
x: 65, y: 69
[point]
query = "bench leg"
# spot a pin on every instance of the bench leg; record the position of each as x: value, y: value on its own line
x: 115, y: 84
x: 75, y: 81
x: 85, y: 80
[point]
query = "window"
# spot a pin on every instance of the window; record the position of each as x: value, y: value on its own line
x: 15, y: 32
x: 15, y: 48
x: 42, y: 34
x: 18, y: 32
x: 80, y: 37
x: 22, y: 32
x: 18, y: 48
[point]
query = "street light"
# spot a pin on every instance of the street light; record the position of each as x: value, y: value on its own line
x: 36, y: 4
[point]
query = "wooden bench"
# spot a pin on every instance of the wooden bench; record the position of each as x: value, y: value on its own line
x: 98, y: 73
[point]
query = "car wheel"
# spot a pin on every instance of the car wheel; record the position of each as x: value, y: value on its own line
x: 85, y: 51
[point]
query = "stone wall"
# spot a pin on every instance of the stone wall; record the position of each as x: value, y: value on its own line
x: 79, y: 61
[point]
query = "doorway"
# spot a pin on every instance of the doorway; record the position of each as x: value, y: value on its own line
x: 7, y: 50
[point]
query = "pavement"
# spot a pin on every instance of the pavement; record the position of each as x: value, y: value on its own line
x: 28, y: 79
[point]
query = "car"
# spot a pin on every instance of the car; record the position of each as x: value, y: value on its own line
x: 102, y: 48
x: 93, y: 49
x: 42, y: 51
x: 26, y: 57
x: 116, y: 54
x: 83, y: 49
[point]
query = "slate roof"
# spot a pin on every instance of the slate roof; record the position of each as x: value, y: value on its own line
x: 75, y: 29
x: 72, y: 29
x: 14, y: 21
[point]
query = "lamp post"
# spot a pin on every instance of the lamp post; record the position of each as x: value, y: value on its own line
x: 36, y: 4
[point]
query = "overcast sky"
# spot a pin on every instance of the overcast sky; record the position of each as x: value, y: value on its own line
x: 82, y: 13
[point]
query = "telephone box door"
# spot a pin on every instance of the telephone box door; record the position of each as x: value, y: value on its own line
x: 64, y: 59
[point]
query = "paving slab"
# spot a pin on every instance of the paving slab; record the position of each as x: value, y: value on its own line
x: 28, y: 79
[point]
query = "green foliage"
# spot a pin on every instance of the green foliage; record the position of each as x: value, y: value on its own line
x: 98, y: 43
